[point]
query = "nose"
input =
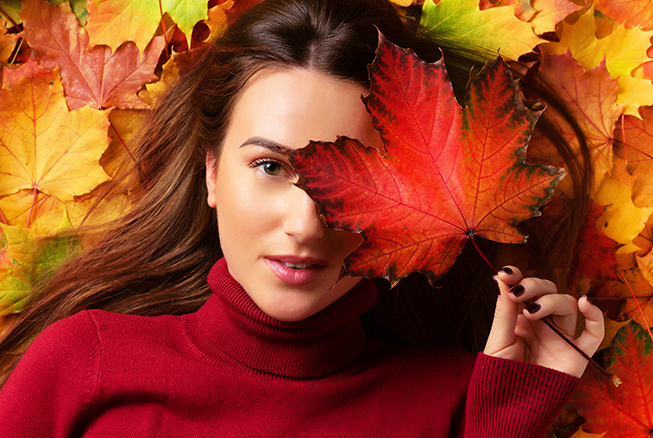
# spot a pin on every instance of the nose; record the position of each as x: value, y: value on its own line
x: 302, y: 220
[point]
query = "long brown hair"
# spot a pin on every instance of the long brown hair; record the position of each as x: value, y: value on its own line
x: 156, y: 258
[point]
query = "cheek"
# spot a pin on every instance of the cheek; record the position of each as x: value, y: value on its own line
x: 245, y: 210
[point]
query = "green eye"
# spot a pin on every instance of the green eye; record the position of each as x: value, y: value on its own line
x: 271, y: 168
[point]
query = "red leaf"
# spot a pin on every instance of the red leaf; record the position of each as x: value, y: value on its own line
x: 626, y: 411
x: 239, y: 7
x: 595, y: 252
x: 449, y: 173
x: 90, y: 76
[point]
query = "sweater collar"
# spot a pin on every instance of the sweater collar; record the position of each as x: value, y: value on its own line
x: 231, y: 323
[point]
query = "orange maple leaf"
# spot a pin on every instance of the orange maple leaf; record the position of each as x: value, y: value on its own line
x: 590, y: 97
x: 632, y: 13
x: 91, y: 76
x: 7, y: 43
x: 634, y: 144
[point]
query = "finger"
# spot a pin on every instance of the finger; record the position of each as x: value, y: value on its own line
x: 506, y: 312
x: 563, y: 308
x: 510, y: 275
x: 532, y: 288
x: 594, y: 332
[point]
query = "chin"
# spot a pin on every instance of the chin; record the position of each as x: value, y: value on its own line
x: 292, y: 308
x: 292, y: 314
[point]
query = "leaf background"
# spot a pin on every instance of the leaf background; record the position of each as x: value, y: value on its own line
x: 91, y: 95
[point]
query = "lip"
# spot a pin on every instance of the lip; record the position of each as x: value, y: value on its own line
x: 296, y: 276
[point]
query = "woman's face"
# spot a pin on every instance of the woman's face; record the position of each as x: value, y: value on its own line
x: 275, y: 244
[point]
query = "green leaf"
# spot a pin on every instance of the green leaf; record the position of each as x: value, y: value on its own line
x: 461, y: 26
x: 186, y: 13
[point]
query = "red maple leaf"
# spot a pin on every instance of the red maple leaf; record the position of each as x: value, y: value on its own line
x: 91, y: 76
x: 626, y: 411
x: 449, y: 172
x: 595, y: 253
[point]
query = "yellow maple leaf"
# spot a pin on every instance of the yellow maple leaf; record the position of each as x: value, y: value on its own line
x: 26, y: 206
x: 624, y: 50
x: 622, y: 221
x: 580, y: 433
x: 44, y: 146
x: 112, y: 22
x: 153, y: 91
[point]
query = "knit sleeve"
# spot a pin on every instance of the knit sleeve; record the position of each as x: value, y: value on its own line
x: 514, y: 399
x: 54, y: 382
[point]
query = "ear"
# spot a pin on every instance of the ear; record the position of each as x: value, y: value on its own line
x: 211, y: 168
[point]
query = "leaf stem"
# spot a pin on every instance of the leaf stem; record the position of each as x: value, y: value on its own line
x: 4, y: 14
x: 31, y: 210
x: 129, y: 152
x: 16, y: 51
x: 615, y: 380
x: 480, y: 252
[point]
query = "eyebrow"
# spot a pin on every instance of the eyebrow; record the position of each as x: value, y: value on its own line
x: 268, y: 144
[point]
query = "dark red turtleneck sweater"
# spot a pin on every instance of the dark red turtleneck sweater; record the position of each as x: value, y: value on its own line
x: 230, y: 370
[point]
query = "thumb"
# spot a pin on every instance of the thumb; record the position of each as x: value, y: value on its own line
x: 506, y: 312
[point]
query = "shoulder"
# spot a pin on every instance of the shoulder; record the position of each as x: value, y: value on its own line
x: 76, y: 345
x: 68, y: 337
x: 94, y: 328
x: 117, y: 331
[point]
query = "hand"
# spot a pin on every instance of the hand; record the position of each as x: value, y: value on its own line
x: 517, y: 332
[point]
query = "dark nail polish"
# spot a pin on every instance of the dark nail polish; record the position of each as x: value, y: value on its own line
x: 496, y: 286
x: 588, y: 299
x: 507, y: 270
x: 517, y: 290
x: 532, y: 308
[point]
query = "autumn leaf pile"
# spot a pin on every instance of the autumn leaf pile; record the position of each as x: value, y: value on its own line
x: 77, y: 79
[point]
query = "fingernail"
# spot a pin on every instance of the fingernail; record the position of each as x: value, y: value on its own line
x: 496, y: 286
x: 532, y: 308
x: 507, y: 270
x: 588, y: 299
x: 517, y: 290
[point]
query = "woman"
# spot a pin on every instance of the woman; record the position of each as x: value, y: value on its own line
x: 277, y: 349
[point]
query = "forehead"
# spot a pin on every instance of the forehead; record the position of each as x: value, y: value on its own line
x: 293, y: 106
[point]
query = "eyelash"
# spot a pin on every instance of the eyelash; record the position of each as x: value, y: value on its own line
x: 262, y: 161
